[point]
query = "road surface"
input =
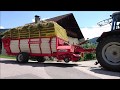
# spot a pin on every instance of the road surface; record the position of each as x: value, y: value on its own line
x: 10, y: 69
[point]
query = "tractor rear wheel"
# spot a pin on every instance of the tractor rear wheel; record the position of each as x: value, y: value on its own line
x: 108, y: 53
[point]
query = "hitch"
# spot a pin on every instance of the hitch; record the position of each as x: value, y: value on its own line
x: 96, y: 63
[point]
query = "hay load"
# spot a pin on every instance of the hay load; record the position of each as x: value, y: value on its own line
x: 37, y: 30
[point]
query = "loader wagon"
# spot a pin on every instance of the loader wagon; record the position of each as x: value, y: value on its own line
x: 40, y: 39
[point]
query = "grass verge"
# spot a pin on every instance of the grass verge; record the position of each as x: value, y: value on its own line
x: 6, y: 56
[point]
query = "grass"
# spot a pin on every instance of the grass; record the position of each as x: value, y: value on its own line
x: 6, y: 56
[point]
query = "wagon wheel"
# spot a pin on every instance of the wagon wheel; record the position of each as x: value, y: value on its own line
x: 66, y: 60
x: 22, y: 57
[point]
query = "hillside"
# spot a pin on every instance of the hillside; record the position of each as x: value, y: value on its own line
x: 93, y: 40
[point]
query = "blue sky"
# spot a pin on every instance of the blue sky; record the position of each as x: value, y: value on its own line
x: 85, y: 19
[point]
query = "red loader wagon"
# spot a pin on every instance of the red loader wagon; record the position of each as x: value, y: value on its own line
x: 49, y: 40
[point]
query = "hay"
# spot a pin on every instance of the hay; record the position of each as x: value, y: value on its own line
x: 36, y: 30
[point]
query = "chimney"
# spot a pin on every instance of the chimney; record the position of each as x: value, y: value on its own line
x: 37, y: 18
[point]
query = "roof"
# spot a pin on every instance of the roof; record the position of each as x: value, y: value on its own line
x: 57, y: 18
x: 116, y: 13
x: 69, y: 23
x: 2, y: 30
x: 116, y: 16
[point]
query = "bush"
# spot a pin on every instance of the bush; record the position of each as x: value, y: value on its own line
x: 89, y: 56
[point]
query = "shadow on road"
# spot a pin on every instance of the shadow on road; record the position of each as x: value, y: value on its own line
x: 60, y: 64
x: 105, y: 72
x: 36, y: 64
x: 100, y: 70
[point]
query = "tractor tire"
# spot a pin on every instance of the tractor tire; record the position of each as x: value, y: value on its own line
x: 40, y: 59
x: 108, y: 53
x: 22, y: 57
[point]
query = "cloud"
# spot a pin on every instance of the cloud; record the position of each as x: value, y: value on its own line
x: 1, y: 27
x: 94, y: 31
x: 33, y: 20
x: 44, y: 18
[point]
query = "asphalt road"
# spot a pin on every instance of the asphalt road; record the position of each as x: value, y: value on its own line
x: 10, y: 69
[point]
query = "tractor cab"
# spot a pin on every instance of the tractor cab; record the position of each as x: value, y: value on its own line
x: 115, y: 21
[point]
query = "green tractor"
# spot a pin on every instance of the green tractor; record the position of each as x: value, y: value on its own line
x: 108, y: 48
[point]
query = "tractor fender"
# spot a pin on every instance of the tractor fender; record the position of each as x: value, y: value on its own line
x: 106, y: 34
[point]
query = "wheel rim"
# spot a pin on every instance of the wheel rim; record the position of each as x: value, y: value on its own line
x: 20, y: 57
x: 66, y: 60
x: 111, y: 53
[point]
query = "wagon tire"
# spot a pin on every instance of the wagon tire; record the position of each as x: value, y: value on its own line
x: 22, y: 57
x: 66, y: 60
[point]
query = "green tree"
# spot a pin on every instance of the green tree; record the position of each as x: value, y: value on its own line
x: 89, y: 56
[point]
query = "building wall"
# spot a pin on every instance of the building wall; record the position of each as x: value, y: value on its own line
x: 73, y: 40
x: 82, y: 40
